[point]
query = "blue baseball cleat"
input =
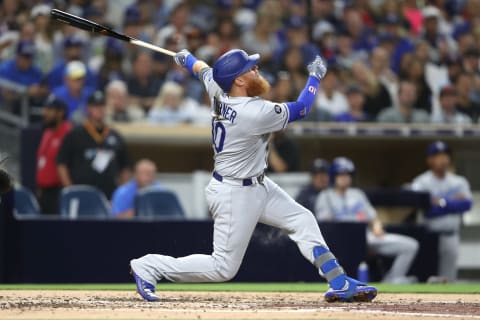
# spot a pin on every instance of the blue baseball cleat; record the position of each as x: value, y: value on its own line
x: 355, y: 291
x: 145, y: 289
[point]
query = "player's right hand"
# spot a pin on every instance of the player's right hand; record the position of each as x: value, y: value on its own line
x: 181, y: 57
x: 317, y: 68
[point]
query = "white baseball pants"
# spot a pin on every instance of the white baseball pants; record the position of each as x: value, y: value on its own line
x: 236, y: 210
x: 402, y: 248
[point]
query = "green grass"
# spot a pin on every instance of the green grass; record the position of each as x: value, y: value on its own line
x: 256, y: 287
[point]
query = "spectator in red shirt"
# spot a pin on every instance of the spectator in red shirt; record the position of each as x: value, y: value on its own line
x: 56, y: 127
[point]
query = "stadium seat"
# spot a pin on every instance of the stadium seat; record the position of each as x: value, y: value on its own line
x: 25, y: 202
x: 154, y: 202
x: 83, y: 201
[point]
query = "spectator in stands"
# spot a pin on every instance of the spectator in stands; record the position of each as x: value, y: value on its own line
x: 319, y: 181
x: 263, y: 39
x: 440, y: 42
x: 377, y: 97
x: 451, y: 197
x: 123, y: 200
x: 142, y: 85
x: 405, y: 111
x: 356, y: 103
x: 346, y: 55
x: 342, y: 202
x: 414, y: 72
x: 284, y: 153
x: 74, y: 92
x: 111, y: 65
x: 21, y: 72
x: 93, y: 153
x: 464, y: 84
x: 329, y: 97
x: 448, y: 108
x: 380, y: 65
x: 44, y: 28
x: 73, y: 47
x: 297, y: 37
x: 364, y: 39
x: 170, y: 106
x: 118, y: 109
x: 293, y: 64
x: 56, y: 127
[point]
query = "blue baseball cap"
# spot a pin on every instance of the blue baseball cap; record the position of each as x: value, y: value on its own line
x: 438, y: 147
x: 295, y: 22
x: 26, y: 48
x: 73, y: 40
x: 53, y: 102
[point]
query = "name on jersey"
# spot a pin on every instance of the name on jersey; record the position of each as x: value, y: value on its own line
x: 224, y: 110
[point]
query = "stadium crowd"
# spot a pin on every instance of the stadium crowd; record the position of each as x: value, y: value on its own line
x: 389, y: 61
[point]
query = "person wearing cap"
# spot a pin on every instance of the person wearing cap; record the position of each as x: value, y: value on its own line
x: 435, y: 33
x: 40, y: 15
x: 93, y: 153
x: 74, y: 92
x: 356, y: 101
x: 451, y: 196
x: 239, y: 194
x: 448, y: 108
x: 56, y: 126
x: 344, y: 203
x: 319, y: 181
x: 21, y: 71
x: 73, y: 46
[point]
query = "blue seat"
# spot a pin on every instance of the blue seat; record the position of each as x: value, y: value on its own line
x: 25, y: 202
x: 83, y: 201
x: 155, y: 202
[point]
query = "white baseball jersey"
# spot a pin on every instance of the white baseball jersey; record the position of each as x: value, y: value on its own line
x: 450, y: 187
x: 241, y: 129
x: 353, y: 206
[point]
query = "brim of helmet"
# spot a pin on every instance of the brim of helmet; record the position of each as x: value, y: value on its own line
x: 252, y: 61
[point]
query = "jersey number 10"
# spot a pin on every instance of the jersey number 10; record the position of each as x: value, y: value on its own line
x: 218, y: 135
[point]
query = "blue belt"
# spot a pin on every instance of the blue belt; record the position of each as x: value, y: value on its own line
x: 245, y: 182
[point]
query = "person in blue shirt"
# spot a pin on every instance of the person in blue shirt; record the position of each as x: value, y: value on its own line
x: 72, y: 50
x: 123, y: 200
x: 74, y: 92
x: 356, y: 101
x: 22, y: 72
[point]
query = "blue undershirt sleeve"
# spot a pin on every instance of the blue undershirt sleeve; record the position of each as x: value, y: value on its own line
x: 451, y: 207
x: 300, y: 108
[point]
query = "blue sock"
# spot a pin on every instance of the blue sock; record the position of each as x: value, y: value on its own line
x: 326, y: 262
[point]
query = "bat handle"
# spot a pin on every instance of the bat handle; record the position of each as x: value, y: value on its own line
x: 152, y: 47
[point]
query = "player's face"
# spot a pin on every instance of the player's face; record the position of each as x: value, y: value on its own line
x: 439, y: 162
x: 343, y: 181
x: 320, y: 180
x: 256, y: 84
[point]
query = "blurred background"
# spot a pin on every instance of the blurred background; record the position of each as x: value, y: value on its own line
x: 90, y: 124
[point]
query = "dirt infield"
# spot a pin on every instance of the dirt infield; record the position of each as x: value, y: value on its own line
x: 229, y: 305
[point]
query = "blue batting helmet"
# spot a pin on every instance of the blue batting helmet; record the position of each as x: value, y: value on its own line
x: 231, y: 65
x: 438, y: 147
x: 341, y: 165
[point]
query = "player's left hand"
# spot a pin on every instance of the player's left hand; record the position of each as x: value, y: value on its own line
x: 181, y: 57
x: 317, y: 68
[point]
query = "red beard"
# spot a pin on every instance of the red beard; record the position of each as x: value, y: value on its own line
x: 258, y: 86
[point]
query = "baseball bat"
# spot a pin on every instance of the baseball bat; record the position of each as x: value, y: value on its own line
x: 94, y: 27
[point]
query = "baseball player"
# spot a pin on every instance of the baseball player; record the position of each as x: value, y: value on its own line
x: 341, y: 202
x: 239, y: 195
x: 451, y: 197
